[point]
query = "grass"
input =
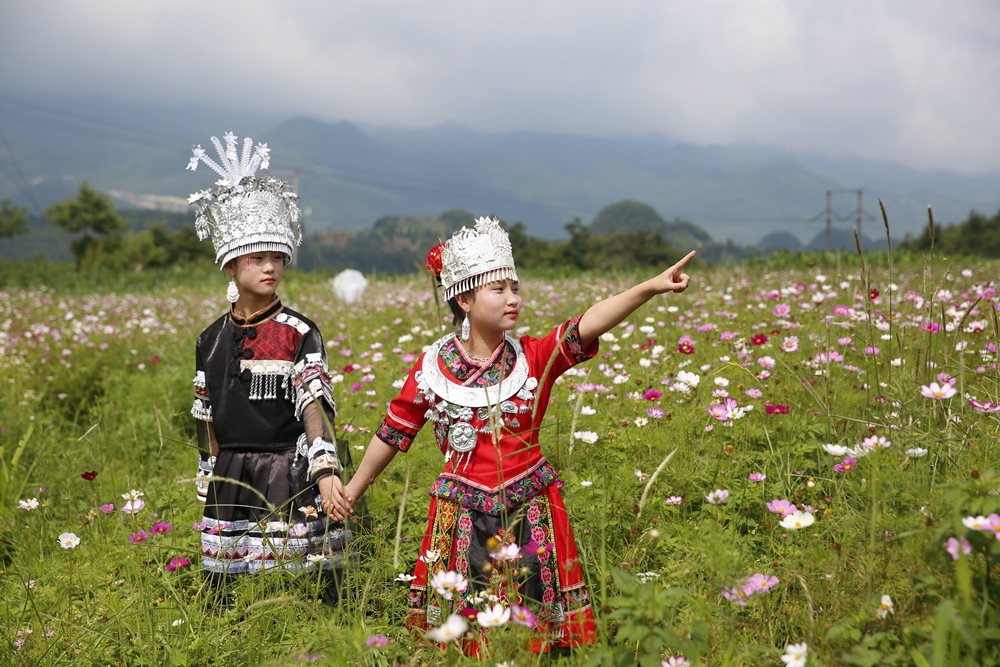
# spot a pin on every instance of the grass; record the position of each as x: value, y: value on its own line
x: 103, y: 383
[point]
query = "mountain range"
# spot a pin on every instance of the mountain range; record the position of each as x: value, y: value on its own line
x: 351, y: 175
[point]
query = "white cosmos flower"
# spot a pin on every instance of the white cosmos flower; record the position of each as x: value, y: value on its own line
x: 29, y: 504
x: 587, y: 410
x: 721, y: 382
x: 688, y: 378
x: 494, y: 616
x: 916, y: 452
x: 588, y: 437
x: 133, y: 495
x: 450, y: 630
x: 976, y: 522
x: 586, y: 482
x: 404, y: 577
x: 641, y: 421
x: 644, y: 362
x: 795, y: 655
x: 798, y: 519
x: 447, y: 584
x: 178, y: 622
x: 836, y: 450
x: 69, y: 540
x: 885, y: 608
x: 430, y: 556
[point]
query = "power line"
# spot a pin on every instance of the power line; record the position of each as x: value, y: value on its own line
x: 89, y: 119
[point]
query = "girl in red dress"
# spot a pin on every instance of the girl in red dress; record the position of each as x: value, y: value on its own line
x: 496, y: 509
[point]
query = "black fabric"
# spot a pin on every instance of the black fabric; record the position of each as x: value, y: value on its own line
x: 485, y: 526
x: 267, y: 473
x: 239, y: 422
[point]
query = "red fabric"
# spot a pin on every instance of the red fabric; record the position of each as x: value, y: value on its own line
x: 275, y: 341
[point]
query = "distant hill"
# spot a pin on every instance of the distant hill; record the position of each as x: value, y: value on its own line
x: 843, y: 239
x: 780, y: 241
x: 351, y: 175
x: 629, y: 216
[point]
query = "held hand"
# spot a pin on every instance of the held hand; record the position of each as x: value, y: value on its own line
x: 674, y: 279
x: 332, y: 490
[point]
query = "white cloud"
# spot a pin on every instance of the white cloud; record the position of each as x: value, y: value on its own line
x: 913, y: 82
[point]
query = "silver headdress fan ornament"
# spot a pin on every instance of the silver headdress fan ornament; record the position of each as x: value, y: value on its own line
x: 242, y: 212
x: 477, y: 256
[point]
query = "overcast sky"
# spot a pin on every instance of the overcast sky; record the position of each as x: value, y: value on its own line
x: 914, y: 81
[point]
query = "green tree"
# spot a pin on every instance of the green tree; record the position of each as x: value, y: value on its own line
x: 92, y: 215
x: 627, y: 216
x: 13, y: 219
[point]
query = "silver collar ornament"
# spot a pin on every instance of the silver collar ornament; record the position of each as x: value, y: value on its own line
x: 451, y: 404
x: 243, y: 212
x: 475, y: 257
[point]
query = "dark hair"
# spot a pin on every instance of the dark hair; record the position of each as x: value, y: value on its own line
x: 456, y: 311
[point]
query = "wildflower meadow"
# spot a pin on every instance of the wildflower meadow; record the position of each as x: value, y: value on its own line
x: 791, y: 463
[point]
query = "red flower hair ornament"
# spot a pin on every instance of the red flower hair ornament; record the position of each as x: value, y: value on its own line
x: 434, y: 260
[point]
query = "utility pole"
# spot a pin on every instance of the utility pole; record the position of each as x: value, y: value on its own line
x: 859, y: 213
x: 829, y: 214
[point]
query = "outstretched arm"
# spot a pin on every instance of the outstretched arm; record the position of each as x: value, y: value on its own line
x: 610, y: 312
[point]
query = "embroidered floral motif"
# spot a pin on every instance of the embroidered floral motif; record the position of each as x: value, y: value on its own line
x: 482, y: 500
x: 462, y: 370
x: 394, y: 437
x: 571, y: 337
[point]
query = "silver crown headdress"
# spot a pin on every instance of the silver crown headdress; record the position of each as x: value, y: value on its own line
x: 242, y: 212
x: 474, y: 257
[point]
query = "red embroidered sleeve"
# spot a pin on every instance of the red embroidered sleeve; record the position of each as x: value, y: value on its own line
x: 405, y: 415
x: 554, y: 354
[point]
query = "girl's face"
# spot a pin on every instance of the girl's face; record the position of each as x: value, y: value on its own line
x: 258, y: 272
x: 493, y: 307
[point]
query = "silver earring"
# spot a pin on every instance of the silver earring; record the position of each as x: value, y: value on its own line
x: 465, y: 329
x: 232, y: 293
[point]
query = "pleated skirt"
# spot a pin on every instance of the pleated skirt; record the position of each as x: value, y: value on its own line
x: 252, y: 522
x: 549, y: 580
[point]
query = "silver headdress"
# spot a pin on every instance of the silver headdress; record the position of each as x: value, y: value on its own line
x: 242, y: 212
x: 474, y: 257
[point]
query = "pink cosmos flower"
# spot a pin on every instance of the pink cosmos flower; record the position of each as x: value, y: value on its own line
x: 674, y: 500
x: 199, y: 526
x: 845, y: 341
x: 107, y: 509
x: 655, y: 413
x: 930, y: 327
x: 841, y: 310
x: 790, y: 344
x: 953, y: 546
x: 718, y: 496
x: 138, y: 537
x: 757, y: 477
x: 872, y: 351
x: 782, y: 310
x: 377, y: 641
x: 937, y: 392
x: 759, y: 583
x: 652, y: 394
x: 767, y: 362
x: 945, y: 378
x: 177, y: 562
x: 780, y: 506
x: 522, y: 616
x: 718, y: 411
x: 846, y: 466
x: 134, y: 506
x: 754, y: 393
x: 985, y: 407
x: 776, y: 409
x: 161, y: 528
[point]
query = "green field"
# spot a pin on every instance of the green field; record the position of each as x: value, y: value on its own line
x: 96, y: 376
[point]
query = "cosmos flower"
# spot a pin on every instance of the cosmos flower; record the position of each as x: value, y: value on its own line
x: 69, y: 540
x: 885, y: 607
x: 494, y: 616
x: 953, y: 546
x: 937, y: 392
x: 450, y: 630
x: 588, y: 437
x: 797, y: 520
x: 780, y: 506
x: 795, y: 655
x: 523, y: 616
x: 448, y: 584
x: 29, y: 504
x: 718, y: 496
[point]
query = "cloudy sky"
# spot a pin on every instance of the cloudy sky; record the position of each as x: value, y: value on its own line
x: 913, y: 81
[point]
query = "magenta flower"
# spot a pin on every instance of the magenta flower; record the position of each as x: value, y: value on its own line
x: 757, y: 477
x: 177, y: 562
x: 377, y: 641
x: 718, y: 411
x: 985, y: 407
x: 138, y: 537
x: 953, y: 545
x: 107, y: 509
x: 780, y: 506
x: 841, y: 310
x: 846, y: 466
x: 161, y: 528
x: 782, y: 310
x: 776, y: 409
x: 872, y: 351
x: 652, y: 394
x: 522, y: 616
